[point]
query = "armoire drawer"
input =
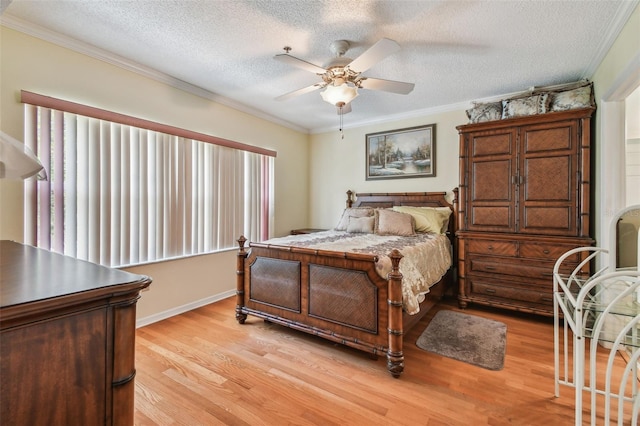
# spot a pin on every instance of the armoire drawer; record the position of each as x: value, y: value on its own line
x: 498, y: 248
x: 519, y: 267
x: 513, y: 267
x: 548, y: 251
x: 490, y: 289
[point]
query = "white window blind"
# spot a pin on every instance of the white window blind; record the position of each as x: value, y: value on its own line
x: 122, y: 195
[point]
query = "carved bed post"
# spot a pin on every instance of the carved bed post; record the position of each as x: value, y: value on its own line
x: 349, y: 198
x: 395, y: 355
x: 242, y: 255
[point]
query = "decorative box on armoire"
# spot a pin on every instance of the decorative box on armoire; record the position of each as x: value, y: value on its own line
x: 524, y: 200
x: 67, y: 339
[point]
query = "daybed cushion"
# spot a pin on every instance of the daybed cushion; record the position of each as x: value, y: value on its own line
x: 428, y: 219
x: 361, y: 224
x: 531, y: 105
x: 352, y: 212
x: 482, y: 112
x: 389, y: 222
x: 581, y: 97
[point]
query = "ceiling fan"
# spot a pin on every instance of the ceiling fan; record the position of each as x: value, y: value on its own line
x: 342, y: 76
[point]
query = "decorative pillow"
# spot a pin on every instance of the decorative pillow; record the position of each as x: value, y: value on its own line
x: 581, y: 97
x: 352, y: 212
x: 363, y: 225
x: 531, y: 105
x: 389, y: 222
x: 428, y: 219
x: 485, y: 112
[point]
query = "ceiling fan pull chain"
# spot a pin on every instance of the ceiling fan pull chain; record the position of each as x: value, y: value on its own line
x: 341, y: 121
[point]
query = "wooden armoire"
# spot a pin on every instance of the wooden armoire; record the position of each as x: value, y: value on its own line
x: 524, y: 200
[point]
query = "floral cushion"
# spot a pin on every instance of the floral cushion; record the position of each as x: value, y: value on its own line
x: 537, y: 100
x: 531, y: 105
x: 482, y: 112
x: 581, y: 97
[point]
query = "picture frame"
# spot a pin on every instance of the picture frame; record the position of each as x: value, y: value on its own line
x: 402, y: 153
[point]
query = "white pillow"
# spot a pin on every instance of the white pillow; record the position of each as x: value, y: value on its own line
x: 352, y: 212
x: 363, y: 225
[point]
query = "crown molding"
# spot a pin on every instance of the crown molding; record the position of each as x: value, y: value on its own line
x: 625, y: 9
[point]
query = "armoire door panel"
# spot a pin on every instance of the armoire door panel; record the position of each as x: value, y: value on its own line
x: 547, y: 179
x: 547, y: 220
x: 549, y: 139
x: 496, y: 218
x: 492, y: 144
x: 491, y: 181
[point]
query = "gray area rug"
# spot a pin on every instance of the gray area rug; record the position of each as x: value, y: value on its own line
x: 467, y: 338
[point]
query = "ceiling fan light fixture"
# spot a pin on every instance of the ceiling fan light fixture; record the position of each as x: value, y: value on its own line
x: 340, y: 94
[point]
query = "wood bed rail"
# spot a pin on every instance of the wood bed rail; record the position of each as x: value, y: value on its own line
x: 316, y: 252
x: 390, y: 290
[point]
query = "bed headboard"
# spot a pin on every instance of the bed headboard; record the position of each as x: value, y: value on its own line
x: 416, y: 199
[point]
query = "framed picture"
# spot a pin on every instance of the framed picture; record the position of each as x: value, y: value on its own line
x: 402, y: 153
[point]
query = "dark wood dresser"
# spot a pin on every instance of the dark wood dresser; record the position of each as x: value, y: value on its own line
x: 67, y: 334
x: 524, y: 201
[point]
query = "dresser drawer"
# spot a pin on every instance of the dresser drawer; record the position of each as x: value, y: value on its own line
x: 513, y: 267
x: 498, y: 248
x: 546, y: 251
x: 495, y: 290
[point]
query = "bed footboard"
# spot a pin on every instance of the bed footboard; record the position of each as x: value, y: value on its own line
x: 335, y: 295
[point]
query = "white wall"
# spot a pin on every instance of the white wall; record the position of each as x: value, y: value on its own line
x: 617, y: 76
x: 337, y: 165
x: 632, y: 154
x: 29, y: 63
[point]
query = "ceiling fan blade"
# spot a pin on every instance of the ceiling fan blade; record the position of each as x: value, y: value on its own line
x: 373, y: 55
x: 301, y: 91
x: 292, y: 60
x: 345, y: 109
x: 399, y: 87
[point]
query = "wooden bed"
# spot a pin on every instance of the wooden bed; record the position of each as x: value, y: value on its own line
x: 301, y: 288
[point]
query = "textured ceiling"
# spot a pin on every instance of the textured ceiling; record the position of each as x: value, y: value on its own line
x: 454, y: 51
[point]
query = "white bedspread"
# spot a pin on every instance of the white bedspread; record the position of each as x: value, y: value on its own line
x: 427, y: 257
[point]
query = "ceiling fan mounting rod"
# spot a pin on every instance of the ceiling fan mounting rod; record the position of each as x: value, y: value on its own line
x: 339, y: 47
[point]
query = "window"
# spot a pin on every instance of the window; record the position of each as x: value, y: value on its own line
x: 120, y: 194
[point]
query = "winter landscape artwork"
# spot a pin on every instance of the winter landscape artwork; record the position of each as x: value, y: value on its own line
x: 402, y: 153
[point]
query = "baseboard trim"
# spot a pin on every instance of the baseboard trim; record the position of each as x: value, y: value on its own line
x: 141, y: 322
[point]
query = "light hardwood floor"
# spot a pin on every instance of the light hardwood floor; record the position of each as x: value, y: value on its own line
x: 203, y: 368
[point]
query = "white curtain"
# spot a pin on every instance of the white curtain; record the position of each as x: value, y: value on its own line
x: 121, y: 195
